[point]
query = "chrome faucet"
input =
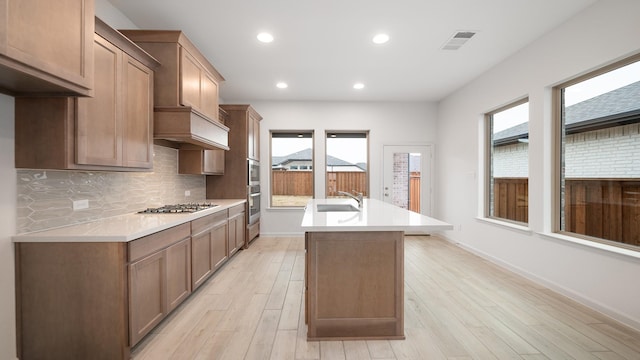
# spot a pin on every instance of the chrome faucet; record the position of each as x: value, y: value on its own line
x: 358, y: 197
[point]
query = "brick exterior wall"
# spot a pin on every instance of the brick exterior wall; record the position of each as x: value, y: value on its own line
x: 606, y: 153
x: 400, y: 191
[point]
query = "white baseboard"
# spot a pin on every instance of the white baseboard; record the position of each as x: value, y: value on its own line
x: 592, y: 304
x: 282, y: 234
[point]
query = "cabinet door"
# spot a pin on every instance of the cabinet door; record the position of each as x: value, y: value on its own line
x: 201, y: 258
x: 147, y: 295
x: 236, y: 233
x: 251, y: 134
x: 137, y: 98
x: 241, y: 229
x: 219, y: 244
x: 189, y: 80
x: 50, y: 40
x: 213, y: 162
x: 98, y: 138
x: 178, y: 273
x: 256, y: 138
x: 209, y: 96
x: 231, y: 237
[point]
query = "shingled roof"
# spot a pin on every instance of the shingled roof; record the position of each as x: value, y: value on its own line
x: 619, y: 106
x: 306, y: 155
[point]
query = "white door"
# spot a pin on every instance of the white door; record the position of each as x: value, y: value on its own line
x: 407, y: 177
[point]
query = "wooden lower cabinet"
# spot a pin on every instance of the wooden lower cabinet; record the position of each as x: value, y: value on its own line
x: 237, y: 228
x: 71, y: 301
x: 147, y: 299
x: 96, y: 300
x: 208, y: 246
x: 159, y: 277
x: 178, y: 273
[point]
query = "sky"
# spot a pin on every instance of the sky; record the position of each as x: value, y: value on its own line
x: 351, y: 150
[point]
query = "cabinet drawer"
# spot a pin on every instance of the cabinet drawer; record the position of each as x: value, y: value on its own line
x: 158, y: 241
x: 236, y: 210
x: 206, y: 222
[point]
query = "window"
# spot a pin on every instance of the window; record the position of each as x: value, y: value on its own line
x: 508, y: 154
x: 291, y: 185
x: 599, y: 157
x: 347, y: 162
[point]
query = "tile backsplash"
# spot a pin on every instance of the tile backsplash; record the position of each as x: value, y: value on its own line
x: 45, y: 197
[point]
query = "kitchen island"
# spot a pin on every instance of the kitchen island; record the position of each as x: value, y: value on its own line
x: 354, y: 278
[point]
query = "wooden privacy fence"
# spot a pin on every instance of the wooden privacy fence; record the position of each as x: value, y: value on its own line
x: 299, y: 183
x: 414, y: 191
x: 511, y: 198
x: 604, y: 208
x: 346, y: 181
x: 293, y: 183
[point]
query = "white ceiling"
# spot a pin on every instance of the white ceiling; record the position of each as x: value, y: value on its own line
x: 322, y: 48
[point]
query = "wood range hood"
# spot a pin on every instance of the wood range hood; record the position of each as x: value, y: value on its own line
x: 185, y: 91
x: 185, y: 127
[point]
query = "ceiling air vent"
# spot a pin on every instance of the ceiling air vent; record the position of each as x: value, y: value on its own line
x: 457, y: 40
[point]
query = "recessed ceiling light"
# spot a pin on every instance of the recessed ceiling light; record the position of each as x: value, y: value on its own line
x: 380, y: 38
x: 358, y: 86
x: 265, y: 37
x: 282, y: 85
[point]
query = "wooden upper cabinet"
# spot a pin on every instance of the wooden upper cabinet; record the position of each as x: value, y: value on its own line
x: 111, y: 130
x: 190, y: 80
x: 186, y: 77
x: 98, y: 121
x: 137, y: 107
x: 253, y: 137
x: 46, y: 47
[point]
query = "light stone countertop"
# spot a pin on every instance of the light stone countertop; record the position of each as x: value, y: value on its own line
x: 375, y: 215
x: 122, y: 228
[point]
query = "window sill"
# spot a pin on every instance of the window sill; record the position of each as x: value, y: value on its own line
x: 506, y: 224
x: 593, y: 244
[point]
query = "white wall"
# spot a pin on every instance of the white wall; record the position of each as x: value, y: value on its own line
x: 7, y: 229
x: 603, y: 33
x: 388, y: 123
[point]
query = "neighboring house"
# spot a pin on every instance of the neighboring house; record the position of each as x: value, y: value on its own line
x: 598, y: 129
x: 302, y: 161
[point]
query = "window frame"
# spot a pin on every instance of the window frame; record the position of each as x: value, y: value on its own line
x: 558, y: 154
x: 311, y: 169
x: 488, y: 168
x: 367, y: 134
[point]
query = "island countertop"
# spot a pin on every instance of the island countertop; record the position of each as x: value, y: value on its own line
x: 122, y: 228
x: 375, y: 215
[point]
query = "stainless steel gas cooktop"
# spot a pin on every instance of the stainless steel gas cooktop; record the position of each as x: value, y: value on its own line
x: 178, y: 208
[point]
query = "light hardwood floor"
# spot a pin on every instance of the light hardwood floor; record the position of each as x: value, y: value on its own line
x: 457, y: 306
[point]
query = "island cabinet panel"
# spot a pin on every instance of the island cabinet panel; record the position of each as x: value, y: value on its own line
x: 71, y: 300
x: 354, y: 285
x: 45, y: 47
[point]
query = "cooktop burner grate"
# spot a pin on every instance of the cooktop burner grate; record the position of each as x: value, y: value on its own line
x: 178, y: 208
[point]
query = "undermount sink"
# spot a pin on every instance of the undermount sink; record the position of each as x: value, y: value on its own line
x: 336, y: 207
